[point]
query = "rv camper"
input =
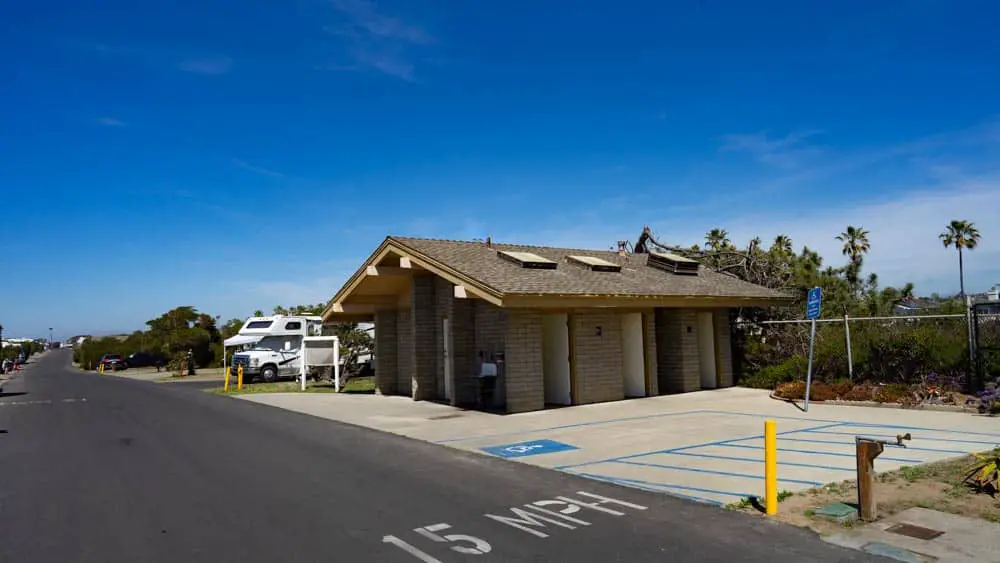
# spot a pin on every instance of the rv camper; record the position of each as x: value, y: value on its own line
x: 271, y: 347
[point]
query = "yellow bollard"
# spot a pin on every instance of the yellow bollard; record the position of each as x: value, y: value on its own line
x: 100, y: 369
x: 239, y: 377
x: 226, y: 387
x: 770, y: 467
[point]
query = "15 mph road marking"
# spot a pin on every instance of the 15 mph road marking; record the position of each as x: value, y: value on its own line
x: 522, y: 519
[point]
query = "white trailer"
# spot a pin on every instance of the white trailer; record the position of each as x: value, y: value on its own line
x: 272, y: 347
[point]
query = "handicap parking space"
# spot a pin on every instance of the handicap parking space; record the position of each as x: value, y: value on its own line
x: 707, y: 446
x: 656, y: 452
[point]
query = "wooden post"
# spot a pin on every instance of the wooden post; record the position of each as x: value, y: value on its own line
x: 867, y: 451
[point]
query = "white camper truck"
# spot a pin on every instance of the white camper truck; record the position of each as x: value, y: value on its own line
x: 272, y: 346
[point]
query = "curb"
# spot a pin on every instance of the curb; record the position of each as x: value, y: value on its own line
x: 876, y: 404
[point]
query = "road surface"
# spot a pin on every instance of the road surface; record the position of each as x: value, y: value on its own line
x: 98, y: 468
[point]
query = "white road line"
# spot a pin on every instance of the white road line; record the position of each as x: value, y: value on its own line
x: 40, y: 402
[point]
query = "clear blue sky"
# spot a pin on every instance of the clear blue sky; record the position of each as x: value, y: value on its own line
x: 235, y: 155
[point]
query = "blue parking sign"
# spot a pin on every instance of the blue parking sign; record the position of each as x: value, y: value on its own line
x: 813, y: 301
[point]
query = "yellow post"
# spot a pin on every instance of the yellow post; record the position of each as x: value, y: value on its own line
x: 239, y: 377
x: 226, y: 387
x: 770, y: 467
x: 100, y: 369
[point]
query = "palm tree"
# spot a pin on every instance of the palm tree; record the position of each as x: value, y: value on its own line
x: 782, y: 243
x: 960, y: 234
x: 717, y: 239
x: 258, y: 313
x: 856, y: 245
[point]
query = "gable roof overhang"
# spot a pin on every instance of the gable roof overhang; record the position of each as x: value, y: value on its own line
x: 383, y: 282
x: 365, y: 293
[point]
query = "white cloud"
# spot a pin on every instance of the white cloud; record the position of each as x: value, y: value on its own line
x: 110, y: 122
x: 375, y: 40
x: 257, y: 169
x: 903, y: 232
x: 789, y: 151
x: 209, y: 65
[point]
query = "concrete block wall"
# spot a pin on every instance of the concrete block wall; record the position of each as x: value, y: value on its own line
x: 463, y: 336
x: 490, y: 333
x: 524, y: 385
x: 598, y: 361
x: 649, y: 337
x: 404, y: 353
x: 386, y: 369
x: 677, y: 351
x: 723, y: 347
x: 424, y: 352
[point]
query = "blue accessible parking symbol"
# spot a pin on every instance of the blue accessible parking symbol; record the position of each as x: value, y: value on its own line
x: 533, y: 447
x: 813, y: 302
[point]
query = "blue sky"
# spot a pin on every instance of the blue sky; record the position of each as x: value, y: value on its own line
x: 236, y: 155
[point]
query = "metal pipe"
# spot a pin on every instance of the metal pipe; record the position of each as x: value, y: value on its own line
x: 852, y: 319
x: 809, y: 371
x: 850, y: 359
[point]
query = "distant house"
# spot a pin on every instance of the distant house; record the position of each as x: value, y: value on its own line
x: 915, y: 306
x: 988, y: 302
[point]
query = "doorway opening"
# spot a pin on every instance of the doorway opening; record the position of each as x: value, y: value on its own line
x: 555, y: 359
x: 633, y: 357
x: 448, y: 365
x: 706, y: 349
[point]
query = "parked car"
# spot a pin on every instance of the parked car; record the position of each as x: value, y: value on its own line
x: 144, y: 360
x: 111, y: 361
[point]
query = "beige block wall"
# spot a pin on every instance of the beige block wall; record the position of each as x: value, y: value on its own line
x: 649, y: 337
x: 677, y: 351
x: 523, y: 387
x: 723, y: 347
x: 386, y: 369
x: 424, y: 353
x: 490, y: 332
x: 598, y: 357
x: 404, y: 353
x: 463, y: 351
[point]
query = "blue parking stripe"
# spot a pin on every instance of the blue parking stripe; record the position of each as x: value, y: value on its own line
x: 836, y: 443
x: 673, y: 486
x: 750, y: 460
x: 646, y: 487
x: 886, y: 437
x: 712, y: 471
x: 816, y: 452
x: 691, y: 447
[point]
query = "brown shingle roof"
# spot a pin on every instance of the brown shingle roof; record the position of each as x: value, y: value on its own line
x: 481, y: 263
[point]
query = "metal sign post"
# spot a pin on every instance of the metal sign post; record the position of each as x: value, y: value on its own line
x: 813, y: 302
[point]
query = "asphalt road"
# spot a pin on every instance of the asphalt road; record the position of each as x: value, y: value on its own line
x: 97, y: 468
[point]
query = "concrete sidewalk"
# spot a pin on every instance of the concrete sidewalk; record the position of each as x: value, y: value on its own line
x: 962, y: 540
x: 707, y: 445
x: 150, y: 374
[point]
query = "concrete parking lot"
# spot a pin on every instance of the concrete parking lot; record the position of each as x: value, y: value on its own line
x: 707, y: 446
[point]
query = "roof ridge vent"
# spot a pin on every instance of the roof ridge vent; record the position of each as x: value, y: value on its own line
x: 673, y: 263
x: 593, y: 263
x: 527, y: 260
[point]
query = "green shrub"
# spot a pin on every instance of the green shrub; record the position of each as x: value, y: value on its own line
x: 770, y: 377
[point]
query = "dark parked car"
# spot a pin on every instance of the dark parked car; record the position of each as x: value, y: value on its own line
x: 111, y: 362
x: 144, y: 360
